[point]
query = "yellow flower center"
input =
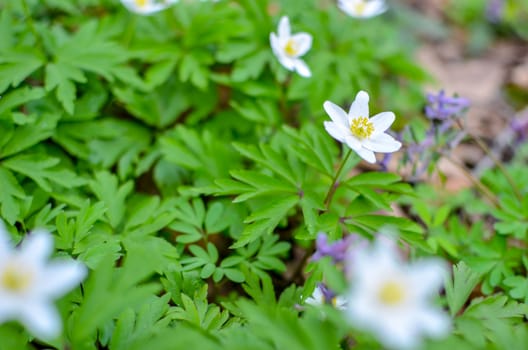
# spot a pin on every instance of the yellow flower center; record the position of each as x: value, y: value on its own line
x: 15, y: 279
x: 360, y: 7
x: 361, y: 127
x: 141, y: 3
x: 391, y: 293
x: 291, y: 48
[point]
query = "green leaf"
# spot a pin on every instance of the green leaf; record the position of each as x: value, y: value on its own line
x: 16, y: 64
x: 25, y: 136
x: 43, y: 171
x: 459, y: 289
x: 21, y: 96
x: 11, y: 191
x: 107, y: 189
x: 263, y: 221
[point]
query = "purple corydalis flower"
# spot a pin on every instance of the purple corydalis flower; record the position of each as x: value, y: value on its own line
x: 442, y: 107
x: 328, y: 294
x: 337, y: 249
x: 494, y: 10
x: 520, y: 126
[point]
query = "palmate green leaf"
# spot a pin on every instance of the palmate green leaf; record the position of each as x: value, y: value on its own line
x: 107, y: 292
x: 314, y: 147
x: 262, y: 255
x: 43, y: 171
x: 19, y: 97
x: 459, y: 289
x: 208, y: 156
x: 372, y: 179
x: 10, y: 196
x: 263, y: 111
x: 88, y: 50
x: 486, y: 316
x: 148, y: 214
x: 263, y: 221
x: 198, y: 312
x: 285, y: 329
x: 162, y: 253
x: 16, y: 64
x: 45, y: 216
x: 24, y: 136
x: 133, y: 326
x: 106, y: 188
x: 105, y: 142
x: 519, y: 287
x: 271, y: 159
x: 193, y: 68
x: 158, y: 108
x: 183, y: 337
x: 262, y: 185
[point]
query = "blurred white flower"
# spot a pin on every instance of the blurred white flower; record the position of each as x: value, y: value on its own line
x: 365, y: 136
x: 147, y: 7
x: 29, y: 283
x: 392, y: 299
x: 362, y: 8
x: 322, y: 295
x: 288, y: 48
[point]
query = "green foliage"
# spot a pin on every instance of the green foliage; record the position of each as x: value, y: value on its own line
x: 190, y: 172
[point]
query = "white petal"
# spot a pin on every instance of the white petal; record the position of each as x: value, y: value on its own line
x: 284, y: 27
x: 374, y: 8
x: 346, y: 6
x: 341, y: 303
x: 335, y: 131
x: 352, y: 142
x: 434, y: 323
x: 286, y: 62
x: 37, y: 246
x: 427, y: 276
x: 59, y: 277
x: 359, y: 107
x: 274, y: 43
x: 303, y: 43
x: 317, y: 297
x: 149, y: 8
x: 382, y: 143
x: 41, y: 320
x: 366, y: 154
x: 401, y: 332
x: 382, y: 122
x: 10, y: 307
x: 302, y: 68
x: 336, y: 113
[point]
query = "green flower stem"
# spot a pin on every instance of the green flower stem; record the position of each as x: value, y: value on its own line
x: 495, y: 160
x: 333, y: 186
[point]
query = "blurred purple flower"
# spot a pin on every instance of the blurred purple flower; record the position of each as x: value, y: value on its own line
x: 328, y: 294
x: 494, y: 10
x: 520, y: 126
x: 441, y: 107
x: 337, y: 249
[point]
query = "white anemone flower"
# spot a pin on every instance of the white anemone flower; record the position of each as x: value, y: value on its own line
x: 288, y: 48
x: 147, y: 7
x: 362, y: 8
x: 391, y: 299
x: 29, y: 283
x: 321, y: 295
x: 365, y: 136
